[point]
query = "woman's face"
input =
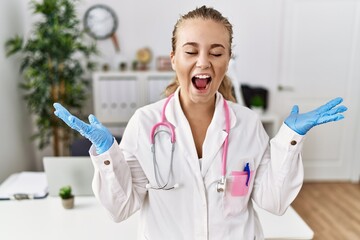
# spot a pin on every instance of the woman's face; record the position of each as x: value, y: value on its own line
x: 200, y: 59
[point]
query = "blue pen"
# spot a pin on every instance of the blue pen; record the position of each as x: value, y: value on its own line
x: 247, y: 170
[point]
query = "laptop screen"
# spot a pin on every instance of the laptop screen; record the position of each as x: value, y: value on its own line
x: 74, y: 171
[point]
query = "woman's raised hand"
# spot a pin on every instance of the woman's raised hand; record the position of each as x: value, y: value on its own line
x: 302, y: 123
x: 99, y: 135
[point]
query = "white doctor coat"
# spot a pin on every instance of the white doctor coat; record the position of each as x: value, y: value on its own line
x: 196, y: 210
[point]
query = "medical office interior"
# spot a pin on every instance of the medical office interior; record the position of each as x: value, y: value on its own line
x: 303, y: 52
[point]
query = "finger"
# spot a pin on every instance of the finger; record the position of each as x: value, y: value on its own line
x: 329, y: 105
x: 80, y: 126
x: 332, y: 118
x: 59, y: 107
x: 295, y: 109
x: 93, y: 119
x: 336, y: 110
x: 61, y: 112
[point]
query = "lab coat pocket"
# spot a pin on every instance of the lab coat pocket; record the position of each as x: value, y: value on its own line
x: 237, y: 194
x: 239, y: 183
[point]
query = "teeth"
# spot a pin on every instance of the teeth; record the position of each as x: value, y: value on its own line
x: 203, y: 76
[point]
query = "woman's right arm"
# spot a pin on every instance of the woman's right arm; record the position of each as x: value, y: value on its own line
x: 119, y: 181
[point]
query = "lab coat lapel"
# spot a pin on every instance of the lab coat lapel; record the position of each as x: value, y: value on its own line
x: 216, y: 134
x: 212, y: 145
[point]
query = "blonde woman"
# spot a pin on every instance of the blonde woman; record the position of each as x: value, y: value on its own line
x: 193, y: 162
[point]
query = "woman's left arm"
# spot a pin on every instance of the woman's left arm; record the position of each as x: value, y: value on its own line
x: 279, y: 175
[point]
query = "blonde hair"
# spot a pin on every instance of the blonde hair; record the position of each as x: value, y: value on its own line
x: 206, y: 13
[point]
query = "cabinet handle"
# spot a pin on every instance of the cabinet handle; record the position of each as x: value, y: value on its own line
x: 285, y: 88
x: 113, y: 105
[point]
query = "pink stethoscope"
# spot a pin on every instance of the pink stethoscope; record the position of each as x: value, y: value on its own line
x: 163, y: 185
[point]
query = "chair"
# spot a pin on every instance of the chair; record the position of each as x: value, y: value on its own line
x: 81, y: 146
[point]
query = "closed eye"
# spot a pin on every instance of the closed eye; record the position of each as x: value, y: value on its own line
x: 191, y: 53
x: 217, y: 55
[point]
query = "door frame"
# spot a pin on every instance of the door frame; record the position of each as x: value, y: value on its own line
x: 354, y: 93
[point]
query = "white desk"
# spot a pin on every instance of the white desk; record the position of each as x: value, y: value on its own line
x: 46, y: 219
x: 289, y: 226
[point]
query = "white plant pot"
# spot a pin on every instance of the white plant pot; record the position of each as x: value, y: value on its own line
x: 68, y: 203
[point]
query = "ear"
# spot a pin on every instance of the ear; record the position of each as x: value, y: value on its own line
x: 172, y: 57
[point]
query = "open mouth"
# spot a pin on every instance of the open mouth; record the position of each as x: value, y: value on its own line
x: 201, y: 82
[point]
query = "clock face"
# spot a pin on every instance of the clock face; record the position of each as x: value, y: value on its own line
x: 100, y: 21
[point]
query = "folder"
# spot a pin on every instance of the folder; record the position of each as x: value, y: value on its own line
x: 24, y: 185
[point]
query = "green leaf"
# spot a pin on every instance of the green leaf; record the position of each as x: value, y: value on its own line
x: 13, y: 45
x: 65, y: 192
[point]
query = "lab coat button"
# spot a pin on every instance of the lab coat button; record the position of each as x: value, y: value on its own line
x: 293, y: 142
x: 106, y: 162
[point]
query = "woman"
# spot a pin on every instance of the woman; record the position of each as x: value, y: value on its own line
x: 184, y: 194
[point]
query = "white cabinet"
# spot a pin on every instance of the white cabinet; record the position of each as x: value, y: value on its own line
x: 118, y: 94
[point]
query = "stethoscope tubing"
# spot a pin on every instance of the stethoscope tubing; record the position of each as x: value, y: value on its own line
x: 165, y: 123
x: 158, y: 177
x: 226, y: 142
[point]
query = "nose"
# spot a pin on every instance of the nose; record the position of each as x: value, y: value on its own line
x: 203, y: 61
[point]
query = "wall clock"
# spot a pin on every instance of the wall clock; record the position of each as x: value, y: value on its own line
x: 101, y: 22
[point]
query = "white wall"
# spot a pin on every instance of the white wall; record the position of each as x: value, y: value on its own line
x: 150, y: 24
x: 16, y: 150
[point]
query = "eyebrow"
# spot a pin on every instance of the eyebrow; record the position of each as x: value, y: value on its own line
x: 215, y: 45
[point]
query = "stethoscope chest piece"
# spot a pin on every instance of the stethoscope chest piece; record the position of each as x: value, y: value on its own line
x: 221, y: 185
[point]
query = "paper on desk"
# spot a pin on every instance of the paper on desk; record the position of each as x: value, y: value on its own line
x: 31, y: 183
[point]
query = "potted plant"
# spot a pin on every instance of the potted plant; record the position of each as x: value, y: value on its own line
x: 257, y: 104
x: 54, y: 59
x: 67, y: 198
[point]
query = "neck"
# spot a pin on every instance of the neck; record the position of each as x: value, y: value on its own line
x: 198, y: 111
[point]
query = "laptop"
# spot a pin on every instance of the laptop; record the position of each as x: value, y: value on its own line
x: 74, y: 171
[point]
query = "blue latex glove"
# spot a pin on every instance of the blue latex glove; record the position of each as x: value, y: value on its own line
x: 302, y: 123
x: 99, y: 135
